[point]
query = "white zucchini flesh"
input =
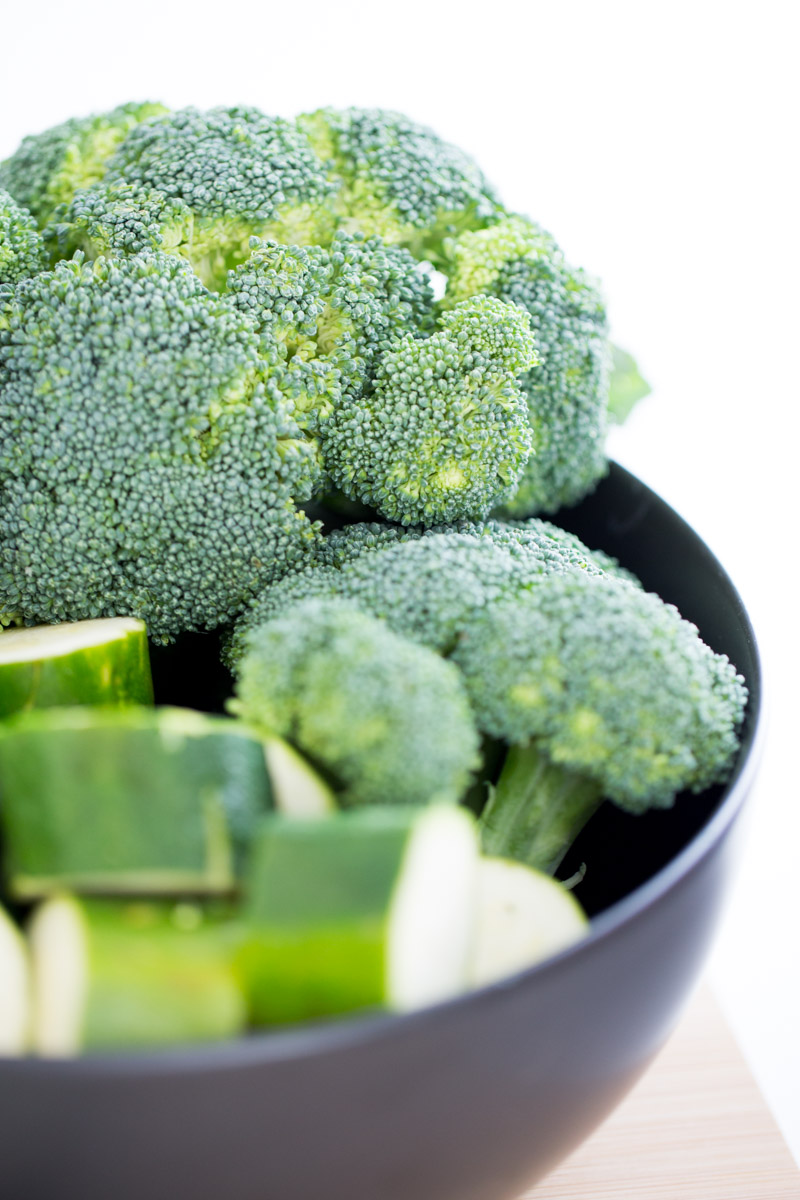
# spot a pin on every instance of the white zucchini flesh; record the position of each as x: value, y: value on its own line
x: 432, y: 918
x: 54, y: 641
x: 59, y: 955
x: 524, y: 916
x: 14, y: 989
x: 297, y: 790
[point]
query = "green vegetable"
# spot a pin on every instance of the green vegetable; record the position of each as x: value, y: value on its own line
x: 21, y: 247
x: 567, y: 392
x: 604, y: 691
x: 370, y: 908
x: 297, y: 789
x: 14, y: 989
x: 132, y: 800
x: 523, y: 917
x: 103, y: 662
x: 627, y: 385
x: 109, y: 976
x: 160, y: 475
x: 386, y: 721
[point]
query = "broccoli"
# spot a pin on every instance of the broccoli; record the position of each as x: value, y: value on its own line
x: 567, y: 392
x: 149, y: 463
x: 398, y: 179
x: 425, y: 584
x: 48, y: 168
x: 386, y: 720
x: 329, y: 314
x: 603, y: 691
x: 21, y: 247
x: 444, y: 432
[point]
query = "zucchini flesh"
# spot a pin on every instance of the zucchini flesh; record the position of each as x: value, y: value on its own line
x: 14, y: 988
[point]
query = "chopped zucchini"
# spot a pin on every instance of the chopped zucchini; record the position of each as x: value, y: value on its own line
x: 14, y: 989
x: 373, y: 908
x: 524, y: 916
x: 109, y: 975
x: 102, y: 662
x: 127, y: 801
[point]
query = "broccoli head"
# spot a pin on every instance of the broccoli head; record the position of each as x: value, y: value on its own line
x: 48, y: 168
x: 21, y: 247
x: 398, y: 179
x: 386, y: 720
x: 567, y: 392
x: 443, y: 433
x: 148, y: 462
x: 607, y: 692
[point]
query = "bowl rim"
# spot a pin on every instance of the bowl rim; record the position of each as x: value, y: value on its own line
x: 335, y: 1034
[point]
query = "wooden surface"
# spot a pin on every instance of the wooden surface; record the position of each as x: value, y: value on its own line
x: 695, y: 1128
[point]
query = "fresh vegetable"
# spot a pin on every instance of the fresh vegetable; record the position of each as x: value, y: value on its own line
x: 108, y: 975
x: 524, y: 916
x: 371, y: 908
x: 135, y: 800
x: 14, y: 988
x: 21, y: 246
x: 103, y: 662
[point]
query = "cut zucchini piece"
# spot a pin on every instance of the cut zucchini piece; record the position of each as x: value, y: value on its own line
x: 108, y: 975
x: 14, y: 989
x: 368, y: 908
x: 524, y: 916
x: 297, y: 789
x: 127, y: 801
x: 103, y: 662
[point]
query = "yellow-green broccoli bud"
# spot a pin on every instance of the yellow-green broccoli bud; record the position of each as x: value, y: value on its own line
x: 21, y: 248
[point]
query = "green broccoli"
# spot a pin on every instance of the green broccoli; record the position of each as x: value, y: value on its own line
x: 148, y: 461
x: 443, y: 433
x: 21, y: 247
x: 398, y: 179
x: 426, y: 585
x: 603, y: 691
x: 386, y: 720
x: 48, y: 168
x: 567, y: 392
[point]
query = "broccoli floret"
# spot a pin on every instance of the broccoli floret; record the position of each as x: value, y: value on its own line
x: 112, y: 220
x: 239, y: 172
x: 21, y: 247
x: 426, y: 584
x: 567, y: 392
x: 398, y: 179
x: 331, y: 313
x: 386, y: 720
x: 48, y: 168
x: 604, y: 691
x: 443, y: 433
x: 148, y: 462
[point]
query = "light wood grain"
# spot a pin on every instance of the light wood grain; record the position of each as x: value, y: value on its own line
x: 695, y: 1128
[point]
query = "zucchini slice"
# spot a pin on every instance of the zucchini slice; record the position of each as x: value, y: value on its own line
x: 102, y: 662
x: 14, y: 989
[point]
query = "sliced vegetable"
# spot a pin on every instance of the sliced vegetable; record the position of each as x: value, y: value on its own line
x: 14, y: 989
x: 136, y: 800
x: 108, y: 975
x: 86, y: 662
x: 298, y: 791
x: 524, y: 916
x: 369, y: 908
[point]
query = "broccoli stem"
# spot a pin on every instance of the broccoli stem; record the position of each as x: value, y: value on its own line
x: 537, y: 809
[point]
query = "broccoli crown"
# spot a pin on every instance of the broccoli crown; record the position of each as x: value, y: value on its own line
x: 329, y: 314
x: 611, y: 683
x: 426, y: 584
x: 388, y: 721
x: 398, y: 179
x: 443, y: 433
x: 148, y: 462
x: 48, y: 168
x: 567, y: 393
x: 240, y: 173
x: 117, y: 219
x: 21, y: 248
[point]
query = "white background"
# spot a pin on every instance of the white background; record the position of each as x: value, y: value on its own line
x: 658, y: 142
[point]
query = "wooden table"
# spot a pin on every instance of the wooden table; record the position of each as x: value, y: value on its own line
x: 695, y: 1128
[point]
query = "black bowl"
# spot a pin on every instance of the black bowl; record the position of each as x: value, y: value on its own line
x: 470, y: 1100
